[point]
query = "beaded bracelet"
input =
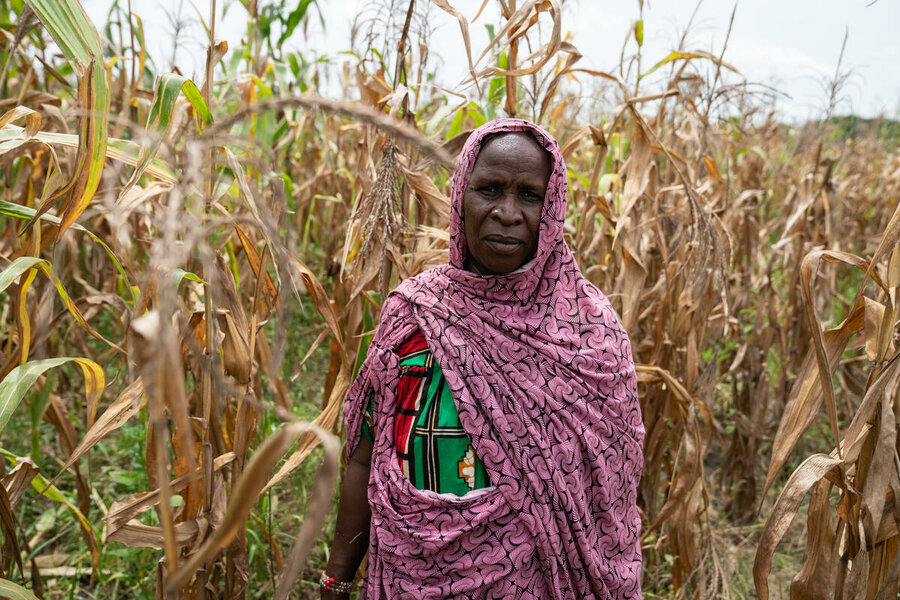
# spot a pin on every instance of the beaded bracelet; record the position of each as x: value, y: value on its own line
x: 332, y: 585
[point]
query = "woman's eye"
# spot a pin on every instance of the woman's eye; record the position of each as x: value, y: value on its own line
x: 489, y: 190
x: 533, y: 197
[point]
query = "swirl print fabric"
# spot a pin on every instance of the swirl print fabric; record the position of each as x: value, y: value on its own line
x: 543, y: 378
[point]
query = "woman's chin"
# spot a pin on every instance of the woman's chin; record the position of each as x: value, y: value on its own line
x: 499, y: 267
x: 497, y: 259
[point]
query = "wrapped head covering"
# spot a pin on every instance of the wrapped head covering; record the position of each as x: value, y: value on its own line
x: 542, y: 375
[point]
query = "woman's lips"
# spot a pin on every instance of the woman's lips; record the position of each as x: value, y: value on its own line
x: 502, y: 245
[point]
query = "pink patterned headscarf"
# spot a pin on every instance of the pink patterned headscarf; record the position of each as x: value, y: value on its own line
x: 541, y: 372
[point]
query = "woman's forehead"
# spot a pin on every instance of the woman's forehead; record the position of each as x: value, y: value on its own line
x: 508, y: 137
x: 518, y: 141
x: 529, y: 163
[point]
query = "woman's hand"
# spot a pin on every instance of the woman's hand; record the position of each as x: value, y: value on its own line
x: 351, y: 533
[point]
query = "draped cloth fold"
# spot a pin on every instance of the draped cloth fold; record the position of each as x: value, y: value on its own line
x: 542, y: 375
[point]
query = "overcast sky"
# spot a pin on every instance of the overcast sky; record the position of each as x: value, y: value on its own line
x: 792, y: 45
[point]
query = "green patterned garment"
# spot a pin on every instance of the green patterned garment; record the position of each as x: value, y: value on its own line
x: 433, y: 450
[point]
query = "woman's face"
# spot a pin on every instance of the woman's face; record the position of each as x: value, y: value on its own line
x: 503, y: 203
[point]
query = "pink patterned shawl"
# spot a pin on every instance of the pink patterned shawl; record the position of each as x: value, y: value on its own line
x: 542, y: 375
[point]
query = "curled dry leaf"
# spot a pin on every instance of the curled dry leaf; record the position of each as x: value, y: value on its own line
x: 236, y: 349
x: 125, y: 509
x: 810, y: 472
x: 138, y: 535
x: 19, y: 479
x: 9, y: 526
x: 874, y: 315
x: 13, y: 486
x: 821, y: 558
x: 564, y: 69
x: 33, y: 122
x: 427, y: 192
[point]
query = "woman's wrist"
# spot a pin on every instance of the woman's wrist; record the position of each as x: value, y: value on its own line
x: 332, y: 587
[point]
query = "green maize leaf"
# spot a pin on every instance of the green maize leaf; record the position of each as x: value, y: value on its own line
x: 294, y: 18
x: 124, y: 151
x: 474, y: 111
x: 20, y: 380
x: 159, y: 121
x: 497, y: 89
x: 14, y: 591
x: 295, y: 65
x: 456, y: 124
x: 77, y: 37
x: 16, y: 268
x: 193, y: 95
x: 180, y: 275
x: 71, y: 29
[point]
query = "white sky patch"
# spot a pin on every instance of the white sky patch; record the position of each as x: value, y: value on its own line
x: 790, y: 44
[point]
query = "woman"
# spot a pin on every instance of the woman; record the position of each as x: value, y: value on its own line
x: 540, y: 374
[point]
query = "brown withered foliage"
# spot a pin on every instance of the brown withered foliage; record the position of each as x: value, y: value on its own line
x: 755, y: 266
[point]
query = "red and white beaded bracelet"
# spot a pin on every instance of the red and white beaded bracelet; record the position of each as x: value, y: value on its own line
x: 332, y: 585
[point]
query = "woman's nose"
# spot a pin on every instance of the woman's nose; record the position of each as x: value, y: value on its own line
x: 507, y: 209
